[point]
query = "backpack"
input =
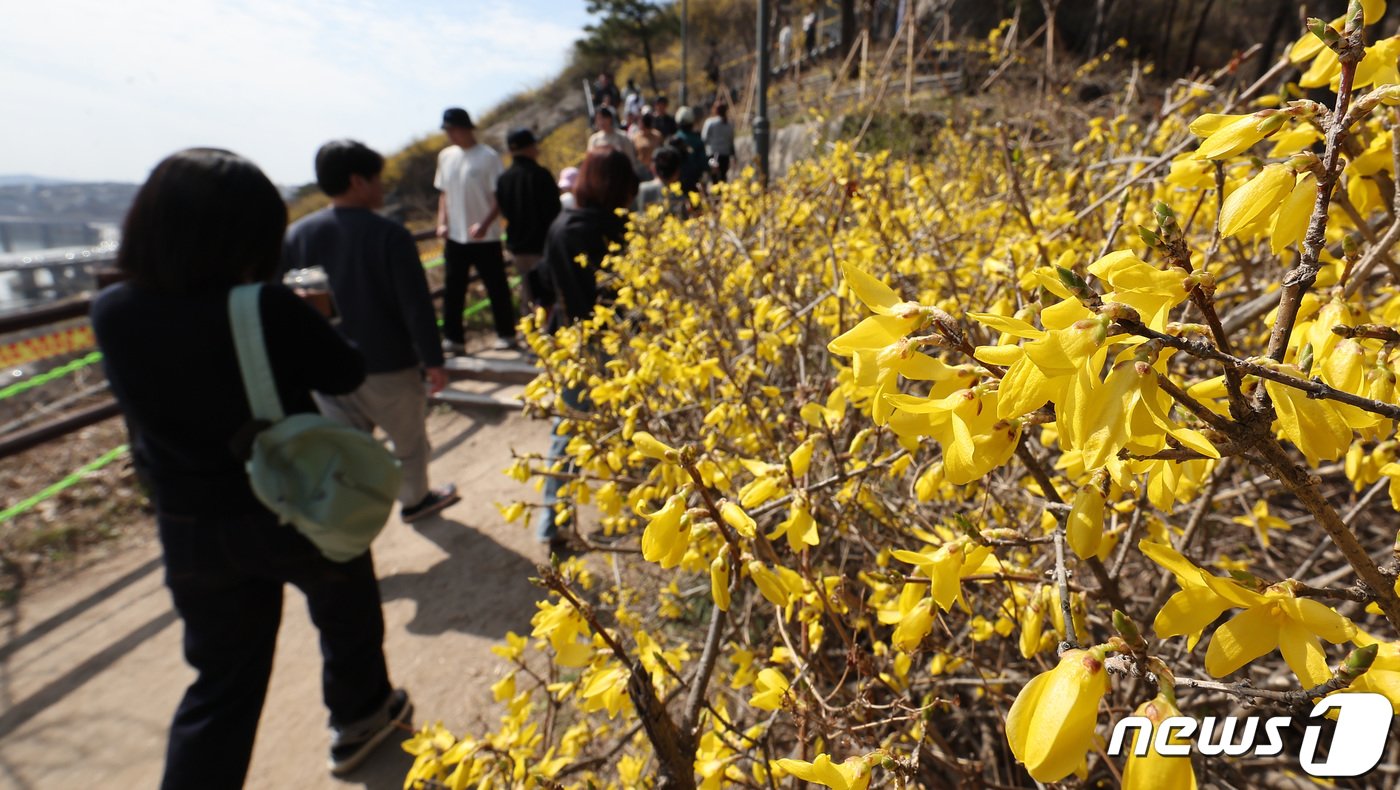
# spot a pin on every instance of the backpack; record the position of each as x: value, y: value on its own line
x: 336, y: 485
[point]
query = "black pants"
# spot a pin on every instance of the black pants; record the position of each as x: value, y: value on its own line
x: 721, y: 169
x: 226, y: 575
x: 490, y: 264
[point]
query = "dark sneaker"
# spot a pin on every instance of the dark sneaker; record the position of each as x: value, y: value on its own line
x: 351, y: 745
x: 437, y: 499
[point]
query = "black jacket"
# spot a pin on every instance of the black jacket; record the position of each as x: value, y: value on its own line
x: 172, y: 367
x: 529, y: 201
x: 575, y: 232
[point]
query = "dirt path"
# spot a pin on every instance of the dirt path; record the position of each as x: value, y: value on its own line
x: 91, y: 670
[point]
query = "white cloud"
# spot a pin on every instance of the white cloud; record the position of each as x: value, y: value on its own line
x: 96, y: 89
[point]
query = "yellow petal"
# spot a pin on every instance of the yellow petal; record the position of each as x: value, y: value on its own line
x: 1314, y: 425
x: 1064, y: 717
x: 1187, y: 613
x: 1257, y: 198
x: 873, y: 333
x: 1234, y: 137
x: 1084, y: 525
x: 877, y: 296
x: 1247, y: 636
x: 1319, y: 618
x: 1291, y: 221
x: 1303, y: 654
x: 719, y: 582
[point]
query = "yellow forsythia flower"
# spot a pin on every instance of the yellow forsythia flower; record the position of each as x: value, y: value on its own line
x: 666, y: 536
x: 735, y: 517
x: 1315, y: 425
x: 1261, y: 521
x: 1084, y: 526
x: 1228, y: 135
x: 1291, y: 221
x: 853, y: 774
x: 769, y: 688
x: 1051, y: 724
x: 1152, y: 770
x: 1256, y: 200
x: 652, y: 447
x: 719, y: 581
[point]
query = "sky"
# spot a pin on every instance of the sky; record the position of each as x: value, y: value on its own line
x: 101, y: 90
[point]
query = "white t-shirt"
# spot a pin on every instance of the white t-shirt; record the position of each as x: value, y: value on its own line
x: 468, y: 177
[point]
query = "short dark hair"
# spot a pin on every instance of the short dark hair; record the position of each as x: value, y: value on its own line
x: 340, y: 159
x: 205, y: 220
x: 604, y: 109
x: 606, y: 179
x: 666, y: 162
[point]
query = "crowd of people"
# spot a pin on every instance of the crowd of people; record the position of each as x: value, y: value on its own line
x: 628, y: 124
x: 207, y: 221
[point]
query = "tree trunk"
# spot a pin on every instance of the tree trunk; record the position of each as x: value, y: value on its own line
x: 651, y: 67
x: 1282, y: 10
x: 1196, y: 36
x: 1096, y: 34
x: 1164, y: 46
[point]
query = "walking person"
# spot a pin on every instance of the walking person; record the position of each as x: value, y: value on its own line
x: 381, y: 296
x: 609, y: 136
x: 205, y: 221
x: 605, y: 92
x: 718, y: 134
x: 529, y: 201
x: 645, y: 140
x: 468, y: 222
x: 695, y: 162
x: 666, y: 171
x: 661, y: 118
x: 606, y: 182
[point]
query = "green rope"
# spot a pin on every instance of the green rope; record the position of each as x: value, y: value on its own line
x: 483, y: 304
x: 67, y: 482
x: 46, y: 377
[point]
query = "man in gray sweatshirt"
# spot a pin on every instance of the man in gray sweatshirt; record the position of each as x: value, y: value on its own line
x: 384, y: 307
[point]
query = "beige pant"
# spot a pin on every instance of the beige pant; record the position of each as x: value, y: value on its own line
x: 397, y: 403
x: 523, y: 265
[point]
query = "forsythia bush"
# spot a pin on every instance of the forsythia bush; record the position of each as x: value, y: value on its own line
x: 920, y: 475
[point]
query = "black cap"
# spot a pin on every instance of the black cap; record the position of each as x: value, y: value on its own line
x: 456, y: 116
x: 519, y: 139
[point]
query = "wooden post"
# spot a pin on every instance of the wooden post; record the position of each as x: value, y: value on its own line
x: 864, y: 64
x: 909, y: 63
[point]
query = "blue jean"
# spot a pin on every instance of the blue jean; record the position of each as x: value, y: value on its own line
x: 226, y: 575
x: 545, y: 528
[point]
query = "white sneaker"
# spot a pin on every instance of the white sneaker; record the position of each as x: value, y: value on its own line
x: 452, y: 347
x: 505, y: 344
x: 350, y: 745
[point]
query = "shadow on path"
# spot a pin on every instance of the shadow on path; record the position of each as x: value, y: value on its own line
x: 480, y: 587
x: 74, y: 678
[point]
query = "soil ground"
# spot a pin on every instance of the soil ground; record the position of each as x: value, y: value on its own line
x: 90, y: 661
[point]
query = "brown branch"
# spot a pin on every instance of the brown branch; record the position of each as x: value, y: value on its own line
x: 1316, y: 388
x: 1301, y: 277
x: 675, y: 750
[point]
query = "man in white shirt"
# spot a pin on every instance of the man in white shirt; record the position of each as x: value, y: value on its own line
x: 468, y: 221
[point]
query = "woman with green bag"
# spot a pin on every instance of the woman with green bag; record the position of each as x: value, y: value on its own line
x: 205, y: 221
